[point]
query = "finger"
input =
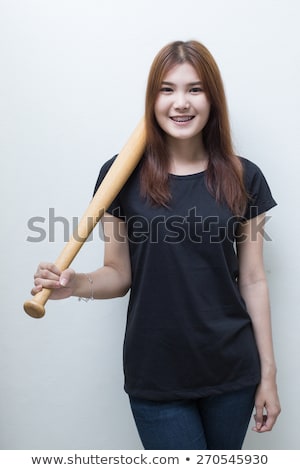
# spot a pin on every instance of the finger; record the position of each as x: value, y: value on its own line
x: 260, y: 426
x: 36, y: 289
x: 47, y: 271
x: 66, y: 277
x: 259, y: 417
x: 51, y: 267
x: 43, y: 275
x: 45, y: 284
x: 269, y: 421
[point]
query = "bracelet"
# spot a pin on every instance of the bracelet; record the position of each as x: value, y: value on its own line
x: 86, y: 299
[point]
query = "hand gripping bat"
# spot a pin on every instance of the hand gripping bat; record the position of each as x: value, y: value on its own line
x: 116, y: 177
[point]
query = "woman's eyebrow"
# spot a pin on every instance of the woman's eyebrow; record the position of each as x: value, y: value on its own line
x: 188, y: 84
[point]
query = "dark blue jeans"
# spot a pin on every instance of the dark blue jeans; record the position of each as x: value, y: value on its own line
x: 214, y: 423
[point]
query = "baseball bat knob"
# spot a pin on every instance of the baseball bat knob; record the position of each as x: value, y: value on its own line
x: 34, y: 309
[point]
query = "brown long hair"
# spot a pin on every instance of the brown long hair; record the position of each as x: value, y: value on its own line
x: 224, y: 175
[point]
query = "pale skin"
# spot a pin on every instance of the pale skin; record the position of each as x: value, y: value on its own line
x: 182, y: 110
x: 254, y: 289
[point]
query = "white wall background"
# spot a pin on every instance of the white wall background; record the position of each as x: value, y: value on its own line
x: 72, y: 82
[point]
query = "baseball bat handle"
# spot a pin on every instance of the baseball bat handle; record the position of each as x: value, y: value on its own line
x: 116, y: 177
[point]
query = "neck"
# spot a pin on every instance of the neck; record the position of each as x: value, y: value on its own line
x: 186, y: 156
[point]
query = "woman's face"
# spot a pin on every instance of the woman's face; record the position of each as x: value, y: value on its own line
x: 182, y: 108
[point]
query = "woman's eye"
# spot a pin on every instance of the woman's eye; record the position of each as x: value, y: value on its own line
x: 166, y: 89
x: 196, y: 90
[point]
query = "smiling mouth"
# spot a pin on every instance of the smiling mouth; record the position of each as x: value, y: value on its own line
x: 182, y: 118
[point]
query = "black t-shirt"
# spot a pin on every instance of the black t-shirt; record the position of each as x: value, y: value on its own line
x: 188, y: 333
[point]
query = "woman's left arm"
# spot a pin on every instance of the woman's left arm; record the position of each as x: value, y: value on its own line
x: 254, y: 290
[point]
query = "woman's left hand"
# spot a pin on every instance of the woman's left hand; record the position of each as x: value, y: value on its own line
x: 267, y: 406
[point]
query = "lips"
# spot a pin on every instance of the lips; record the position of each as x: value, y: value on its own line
x: 182, y: 118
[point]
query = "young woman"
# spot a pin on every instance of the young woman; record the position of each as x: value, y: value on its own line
x: 185, y: 234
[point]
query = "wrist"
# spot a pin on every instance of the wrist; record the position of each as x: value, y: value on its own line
x: 269, y: 373
x: 84, y: 287
x: 77, y: 285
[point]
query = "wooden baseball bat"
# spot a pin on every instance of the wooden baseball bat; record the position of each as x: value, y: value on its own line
x: 116, y: 177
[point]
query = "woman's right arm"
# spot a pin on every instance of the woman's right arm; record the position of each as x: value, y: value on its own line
x: 113, y: 279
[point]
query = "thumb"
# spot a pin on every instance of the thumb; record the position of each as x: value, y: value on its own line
x: 258, y: 417
x: 66, y: 277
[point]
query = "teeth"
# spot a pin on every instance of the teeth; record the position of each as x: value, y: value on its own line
x: 182, y: 118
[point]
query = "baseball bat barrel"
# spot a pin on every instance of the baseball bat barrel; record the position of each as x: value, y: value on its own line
x: 116, y: 177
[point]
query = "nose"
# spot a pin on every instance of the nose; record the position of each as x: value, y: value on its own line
x: 181, y: 101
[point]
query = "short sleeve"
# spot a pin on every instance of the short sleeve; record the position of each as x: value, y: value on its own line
x: 260, y: 196
x: 115, y: 208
